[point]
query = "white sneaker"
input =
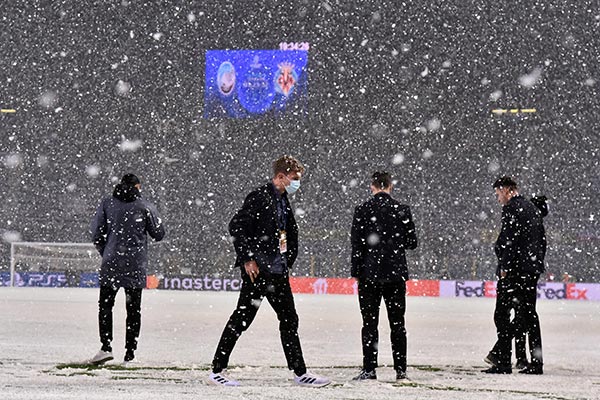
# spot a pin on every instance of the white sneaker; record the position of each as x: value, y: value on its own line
x: 130, y: 363
x: 312, y: 380
x: 220, y: 379
x: 101, y: 357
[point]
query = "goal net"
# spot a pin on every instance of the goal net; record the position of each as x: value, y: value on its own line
x: 54, y: 264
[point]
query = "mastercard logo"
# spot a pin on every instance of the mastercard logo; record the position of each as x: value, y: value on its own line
x: 152, y: 282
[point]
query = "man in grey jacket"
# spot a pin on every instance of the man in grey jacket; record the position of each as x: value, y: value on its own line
x: 119, y: 232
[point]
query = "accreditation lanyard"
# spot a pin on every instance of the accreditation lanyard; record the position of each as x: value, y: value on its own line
x: 282, y: 222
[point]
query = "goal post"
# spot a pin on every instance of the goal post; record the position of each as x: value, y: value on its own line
x: 53, y: 264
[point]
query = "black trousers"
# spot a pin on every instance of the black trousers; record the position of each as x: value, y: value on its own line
x: 518, y: 292
x: 277, y: 290
x: 506, y: 302
x: 520, y: 350
x: 527, y: 320
x: 370, y: 294
x: 133, y: 305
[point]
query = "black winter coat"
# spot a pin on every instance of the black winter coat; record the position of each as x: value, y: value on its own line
x: 382, y: 230
x: 119, y: 233
x: 521, y: 245
x: 256, y: 233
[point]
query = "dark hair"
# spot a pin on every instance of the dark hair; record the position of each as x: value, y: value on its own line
x: 381, y: 180
x: 505, y: 182
x: 130, y: 179
x: 286, y: 164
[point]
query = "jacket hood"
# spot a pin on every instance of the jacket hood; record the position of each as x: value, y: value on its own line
x: 540, y: 202
x: 126, y: 193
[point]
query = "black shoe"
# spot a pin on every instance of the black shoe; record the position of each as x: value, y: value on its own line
x: 365, y: 375
x: 491, y: 359
x: 129, y: 356
x: 400, y: 375
x: 521, y: 363
x: 533, y: 369
x: 498, y: 370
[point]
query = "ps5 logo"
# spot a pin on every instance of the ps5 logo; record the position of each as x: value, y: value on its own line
x: 44, y: 279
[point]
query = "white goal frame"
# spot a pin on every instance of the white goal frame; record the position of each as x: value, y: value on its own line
x: 93, y: 253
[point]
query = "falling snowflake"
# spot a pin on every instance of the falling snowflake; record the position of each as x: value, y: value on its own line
x: 92, y: 171
x: 531, y: 79
x: 48, y: 99
x: 11, y: 236
x: 130, y: 145
x: 13, y: 160
x: 122, y: 88
x: 398, y: 159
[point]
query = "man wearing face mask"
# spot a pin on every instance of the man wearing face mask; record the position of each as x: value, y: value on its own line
x: 266, y: 243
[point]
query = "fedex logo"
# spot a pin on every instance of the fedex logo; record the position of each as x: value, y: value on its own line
x: 561, y: 291
x: 475, y: 289
x: 546, y: 291
x: 575, y: 293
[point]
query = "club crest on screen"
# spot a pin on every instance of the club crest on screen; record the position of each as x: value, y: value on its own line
x: 226, y: 78
x: 286, y: 78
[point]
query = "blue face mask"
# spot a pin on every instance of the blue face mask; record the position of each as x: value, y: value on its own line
x: 293, y: 187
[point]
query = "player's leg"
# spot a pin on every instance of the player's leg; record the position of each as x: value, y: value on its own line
x: 106, y: 303
x: 520, y: 350
x: 279, y: 294
x: 247, y: 306
x: 133, y: 304
x: 394, y: 295
x: 369, y: 300
x: 530, y: 322
x: 500, y: 356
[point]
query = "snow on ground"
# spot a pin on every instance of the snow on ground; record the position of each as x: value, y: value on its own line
x: 43, y: 328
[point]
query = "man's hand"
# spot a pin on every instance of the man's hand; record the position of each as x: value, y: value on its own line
x: 251, y: 269
x: 502, y: 274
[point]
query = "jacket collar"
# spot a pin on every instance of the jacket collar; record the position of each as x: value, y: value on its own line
x: 274, y: 192
x: 382, y: 195
x: 515, y: 199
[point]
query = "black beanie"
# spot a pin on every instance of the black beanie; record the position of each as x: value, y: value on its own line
x: 130, y: 179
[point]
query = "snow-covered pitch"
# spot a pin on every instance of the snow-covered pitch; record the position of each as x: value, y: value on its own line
x: 45, y: 333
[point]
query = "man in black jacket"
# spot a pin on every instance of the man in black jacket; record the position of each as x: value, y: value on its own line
x: 265, y: 237
x: 382, y: 230
x: 520, y: 248
x: 119, y: 232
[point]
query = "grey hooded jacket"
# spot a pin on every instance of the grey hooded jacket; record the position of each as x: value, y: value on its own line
x: 119, y: 232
